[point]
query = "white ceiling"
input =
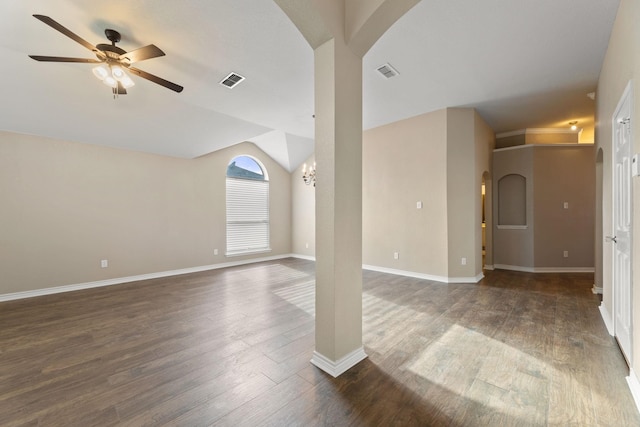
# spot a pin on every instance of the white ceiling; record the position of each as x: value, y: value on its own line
x: 522, y: 64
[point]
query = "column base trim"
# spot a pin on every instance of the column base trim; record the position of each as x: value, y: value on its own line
x: 596, y: 289
x: 337, y: 368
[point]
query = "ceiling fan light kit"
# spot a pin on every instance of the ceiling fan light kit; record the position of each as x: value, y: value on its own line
x: 113, y: 60
x: 100, y: 72
x: 112, y: 75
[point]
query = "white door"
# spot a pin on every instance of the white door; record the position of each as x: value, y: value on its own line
x: 622, y: 224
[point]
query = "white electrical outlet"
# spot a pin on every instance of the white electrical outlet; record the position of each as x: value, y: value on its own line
x: 396, y: 255
x: 565, y: 254
x: 104, y: 263
x: 463, y: 261
x: 306, y: 245
x: 215, y: 252
x: 419, y: 205
x: 566, y: 205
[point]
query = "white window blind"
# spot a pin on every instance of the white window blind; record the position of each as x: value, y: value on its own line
x: 247, y: 216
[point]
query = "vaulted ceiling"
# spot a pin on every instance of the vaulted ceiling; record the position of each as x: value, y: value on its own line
x: 521, y: 64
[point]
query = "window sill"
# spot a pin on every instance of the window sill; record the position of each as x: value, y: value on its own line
x: 247, y: 252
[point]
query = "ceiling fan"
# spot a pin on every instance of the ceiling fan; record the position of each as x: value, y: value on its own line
x: 114, y: 60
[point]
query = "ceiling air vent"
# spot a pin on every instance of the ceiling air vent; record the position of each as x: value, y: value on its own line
x: 387, y: 70
x: 231, y: 80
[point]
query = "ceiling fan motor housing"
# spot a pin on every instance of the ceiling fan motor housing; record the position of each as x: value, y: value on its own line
x: 112, y: 35
x: 111, y: 50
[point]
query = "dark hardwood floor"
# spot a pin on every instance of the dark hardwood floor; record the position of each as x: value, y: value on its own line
x: 232, y: 347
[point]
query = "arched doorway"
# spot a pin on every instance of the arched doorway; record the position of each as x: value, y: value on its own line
x: 487, y: 222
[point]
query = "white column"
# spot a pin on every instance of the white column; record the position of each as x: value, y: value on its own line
x: 340, y: 33
x: 338, y: 149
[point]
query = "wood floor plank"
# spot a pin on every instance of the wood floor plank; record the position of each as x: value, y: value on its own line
x: 232, y: 347
x: 609, y: 393
x: 501, y: 407
x: 570, y: 398
x: 266, y: 404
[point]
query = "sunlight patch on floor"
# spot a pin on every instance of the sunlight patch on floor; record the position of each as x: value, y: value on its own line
x: 534, y: 378
x: 486, y: 375
x: 275, y: 272
x: 302, y: 295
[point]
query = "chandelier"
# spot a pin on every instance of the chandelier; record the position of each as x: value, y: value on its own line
x: 309, y: 176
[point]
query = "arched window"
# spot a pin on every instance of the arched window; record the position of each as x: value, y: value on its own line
x: 512, y: 200
x: 247, y: 207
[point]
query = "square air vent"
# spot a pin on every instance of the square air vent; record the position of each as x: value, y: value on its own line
x: 231, y: 80
x: 387, y: 71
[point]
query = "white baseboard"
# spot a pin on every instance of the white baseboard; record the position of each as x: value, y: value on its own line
x: 442, y: 279
x: 634, y: 386
x: 563, y: 269
x: 307, y: 257
x: 544, y: 269
x: 120, y: 280
x: 513, y: 268
x: 475, y: 279
x: 596, y: 289
x: 337, y: 368
x: 606, y: 317
x: 431, y: 277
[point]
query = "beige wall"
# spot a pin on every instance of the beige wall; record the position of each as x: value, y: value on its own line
x: 484, y: 141
x: 621, y: 64
x: 554, y: 174
x: 407, y: 162
x: 461, y: 194
x: 587, y: 135
x: 513, y: 247
x: 510, y: 141
x: 469, y: 144
x: 404, y: 163
x: 543, y: 136
x: 66, y: 206
x: 303, y: 213
x: 551, y: 138
x: 564, y: 174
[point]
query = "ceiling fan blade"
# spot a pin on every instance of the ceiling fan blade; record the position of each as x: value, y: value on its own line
x: 156, y: 79
x: 146, y: 52
x: 73, y: 36
x: 64, y: 59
